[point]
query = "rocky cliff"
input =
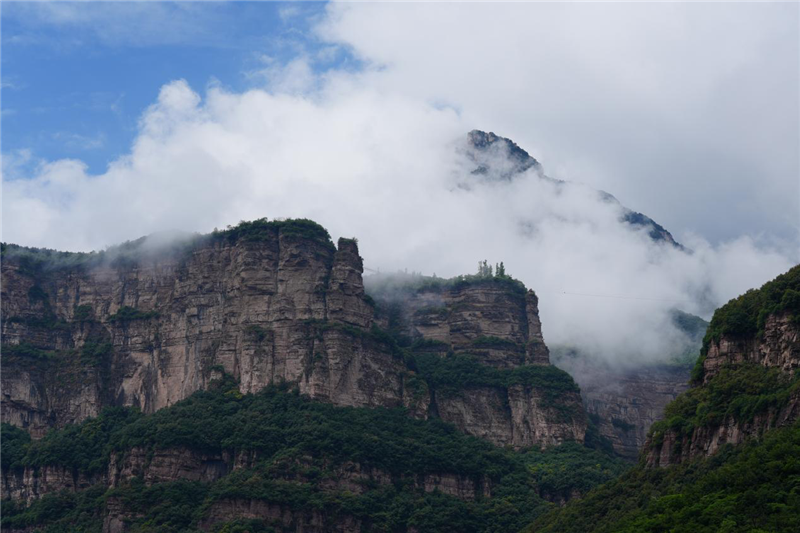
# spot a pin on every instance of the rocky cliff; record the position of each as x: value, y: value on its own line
x: 468, y: 324
x: 280, y: 303
x: 278, y: 459
x: 746, y: 381
x: 624, y: 402
x: 492, y: 318
x: 265, y: 302
x: 154, y: 466
x: 777, y: 346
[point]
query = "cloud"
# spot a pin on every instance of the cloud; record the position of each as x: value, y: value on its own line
x: 379, y: 154
x: 664, y: 104
x: 75, y: 141
x: 142, y: 23
x: 389, y: 170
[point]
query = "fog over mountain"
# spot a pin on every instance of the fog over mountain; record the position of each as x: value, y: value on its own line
x: 383, y: 154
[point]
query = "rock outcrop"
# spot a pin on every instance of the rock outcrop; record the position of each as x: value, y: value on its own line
x: 496, y: 321
x: 267, y: 302
x: 777, y: 347
x: 624, y: 404
x: 675, y: 448
x: 150, y: 332
x: 153, y: 466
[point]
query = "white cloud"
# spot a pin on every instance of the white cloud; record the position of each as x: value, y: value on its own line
x: 374, y: 155
x: 120, y: 23
x: 665, y: 104
x: 78, y: 142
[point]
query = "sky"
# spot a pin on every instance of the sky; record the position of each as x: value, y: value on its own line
x: 123, y: 119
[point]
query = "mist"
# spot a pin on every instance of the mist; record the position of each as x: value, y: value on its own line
x: 380, y: 154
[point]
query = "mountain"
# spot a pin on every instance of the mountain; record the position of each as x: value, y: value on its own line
x: 265, y: 302
x: 500, y: 160
x: 746, y: 376
x: 243, y: 380
x: 725, y: 457
x: 252, y: 380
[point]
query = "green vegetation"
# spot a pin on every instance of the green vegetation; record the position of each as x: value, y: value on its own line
x: 593, y: 440
x: 385, y: 287
x: 440, y: 311
x: 244, y: 526
x: 83, y: 313
x: 61, y: 512
x: 751, y: 488
x: 37, y: 294
x: 35, y: 262
x: 16, y: 442
x: 739, y: 392
x: 48, y: 322
x: 457, y: 372
x: 25, y: 350
x: 300, y: 443
x: 571, y: 467
x: 94, y: 353
x: 127, y: 313
x: 257, y: 332
x: 263, y: 229
x: 84, y: 447
x: 694, y: 328
x: 746, y: 315
x: 429, y: 345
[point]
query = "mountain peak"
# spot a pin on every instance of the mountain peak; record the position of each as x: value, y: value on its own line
x: 499, y: 159
x: 497, y: 155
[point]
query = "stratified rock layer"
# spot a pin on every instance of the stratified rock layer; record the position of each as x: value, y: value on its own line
x: 285, y: 308
x: 778, y: 347
x: 281, y: 307
x: 495, y: 321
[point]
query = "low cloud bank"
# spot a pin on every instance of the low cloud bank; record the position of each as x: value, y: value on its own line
x: 394, y: 172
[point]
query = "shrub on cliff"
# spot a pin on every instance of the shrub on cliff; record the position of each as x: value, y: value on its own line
x: 300, y: 443
x: 263, y: 229
x: 747, y: 314
x: 740, y: 392
x: 741, y: 489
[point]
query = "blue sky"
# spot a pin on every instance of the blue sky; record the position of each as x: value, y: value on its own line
x: 77, y: 76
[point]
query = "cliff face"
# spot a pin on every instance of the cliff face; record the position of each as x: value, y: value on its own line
x: 172, y: 464
x: 147, y: 334
x: 778, y: 348
x: 496, y: 322
x: 280, y: 306
x: 625, y: 403
x: 516, y: 415
x: 675, y: 448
